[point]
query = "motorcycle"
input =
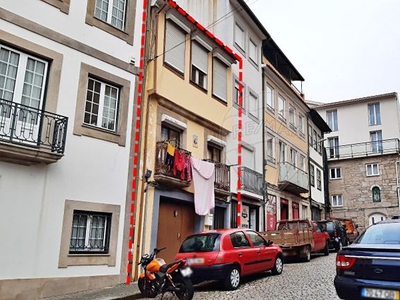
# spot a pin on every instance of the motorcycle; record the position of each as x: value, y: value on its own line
x: 158, y: 277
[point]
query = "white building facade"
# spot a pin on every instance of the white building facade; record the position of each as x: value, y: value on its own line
x: 67, y: 92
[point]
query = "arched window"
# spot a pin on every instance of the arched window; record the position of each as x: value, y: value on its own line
x: 376, y: 194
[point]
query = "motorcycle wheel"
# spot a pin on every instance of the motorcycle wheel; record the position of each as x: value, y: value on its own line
x: 147, y: 287
x: 185, y: 289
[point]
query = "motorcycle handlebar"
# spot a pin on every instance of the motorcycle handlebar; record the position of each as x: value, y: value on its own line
x: 159, y: 250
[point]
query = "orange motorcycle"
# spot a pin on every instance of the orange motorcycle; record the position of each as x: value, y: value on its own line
x: 158, y: 277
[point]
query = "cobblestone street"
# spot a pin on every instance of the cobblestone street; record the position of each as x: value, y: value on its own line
x: 299, y: 280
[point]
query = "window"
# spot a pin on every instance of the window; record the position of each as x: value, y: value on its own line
x: 376, y: 194
x: 270, y: 97
x: 315, y: 141
x: 331, y: 117
x: 253, y: 52
x: 220, y: 79
x: 116, y: 17
x: 239, y: 37
x: 253, y: 105
x: 174, y: 54
x: 372, y: 169
x: 270, y: 148
x: 171, y: 135
x: 301, y: 124
x: 90, y: 232
x: 199, y: 65
x: 319, y: 178
x: 293, y: 157
x: 282, y: 152
x: 102, y: 106
x: 319, y: 144
x: 335, y: 173
x: 337, y: 200
x: 376, y: 141
x: 281, y: 107
x: 112, y: 12
x: 292, y: 118
x: 302, y: 165
x: 374, y: 113
x: 333, y: 147
x: 310, y: 138
x: 312, y: 175
x: 214, y: 153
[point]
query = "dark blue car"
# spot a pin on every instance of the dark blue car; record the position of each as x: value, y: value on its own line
x: 370, y: 267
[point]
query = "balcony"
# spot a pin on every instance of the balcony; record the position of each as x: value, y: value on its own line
x: 222, y: 178
x: 29, y: 135
x: 292, y: 179
x: 252, y: 181
x: 358, y: 150
x: 168, y: 173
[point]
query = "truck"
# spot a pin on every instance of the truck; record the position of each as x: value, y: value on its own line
x: 299, y: 238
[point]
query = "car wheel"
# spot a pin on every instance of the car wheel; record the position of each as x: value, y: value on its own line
x: 232, y: 281
x: 278, y: 266
x: 326, y: 250
x: 307, y: 254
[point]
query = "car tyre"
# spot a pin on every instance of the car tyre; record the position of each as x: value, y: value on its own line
x: 278, y: 265
x: 307, y: 254
x: 326, y: 250
x: 232, y: 281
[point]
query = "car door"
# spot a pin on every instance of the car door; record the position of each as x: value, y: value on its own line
x: 265, y: 254
x: 244, y: 253
x: 319, y: 238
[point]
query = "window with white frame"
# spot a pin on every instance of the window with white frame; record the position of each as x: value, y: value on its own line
x: 333, y: 147
x: 90, y: 232
x: 376, y: 141
x: 376, y: 194
x: 175, y: 48
x: 293, y: 157
x: 239, y: 37
x: 312, y: 175
x: 315, y: 140
x: 374, y: 114
x: 220, y: 79
x: 270, y: 148
x: 253, y: 52
x: 302, y: 163
x: 319, y: 144
x: 372, y: 169
x: 270, y: 97
x: 337, y: 200
x: 199, y: 69
x: 101, y: 106
x: 281, y: 107
x: 112, y: 12
x: 292, y: 118
x: 310, y: 138
x: 335, y: 173
x: 282, y: 152
x: 331, y: 117
x: 319, y: 179
x: 253, y: 105
x: 301, y: 124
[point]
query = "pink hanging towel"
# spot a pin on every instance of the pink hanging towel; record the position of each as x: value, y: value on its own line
x: 203, y: 179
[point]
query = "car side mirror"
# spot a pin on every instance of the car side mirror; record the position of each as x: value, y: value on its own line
x: 356, y: 225
x: 270, y: 242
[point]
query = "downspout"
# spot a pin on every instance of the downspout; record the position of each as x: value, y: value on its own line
x: 264, y: 185
x: 308, y: 165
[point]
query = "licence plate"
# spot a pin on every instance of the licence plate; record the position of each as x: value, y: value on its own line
x: 186, y: 272
x: 380, y: 293
x: 195, y: 261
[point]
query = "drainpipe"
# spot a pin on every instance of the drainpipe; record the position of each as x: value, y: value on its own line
x: 264, y: 185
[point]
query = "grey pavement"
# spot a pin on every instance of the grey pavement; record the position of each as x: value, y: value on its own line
x: 300, y: 280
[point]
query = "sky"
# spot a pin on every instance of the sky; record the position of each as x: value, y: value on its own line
x: 344, y: 49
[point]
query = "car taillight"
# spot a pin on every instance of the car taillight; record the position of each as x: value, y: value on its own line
x: 344, y: 262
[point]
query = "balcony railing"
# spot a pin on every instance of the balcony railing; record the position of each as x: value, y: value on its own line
x: 292, y: 178
x: 252, y: 181
x: 31, y: 127
x: 389, y: 146
x: 222, y: 175
x: 167, y: 170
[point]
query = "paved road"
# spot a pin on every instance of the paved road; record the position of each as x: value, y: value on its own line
x: 299, y: 281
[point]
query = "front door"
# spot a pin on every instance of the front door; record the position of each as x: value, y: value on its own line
x: 175, y: 223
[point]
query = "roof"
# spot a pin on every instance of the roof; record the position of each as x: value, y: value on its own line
x: 319, y: 122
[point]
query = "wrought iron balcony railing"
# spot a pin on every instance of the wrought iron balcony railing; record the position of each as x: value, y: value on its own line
x: 252, y: 181
x: 32, y: 127
x: 292, y: 178
x: 389, y: 146
x: 222, y: 175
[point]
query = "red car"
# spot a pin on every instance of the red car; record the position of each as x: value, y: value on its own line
x: 229, y: 254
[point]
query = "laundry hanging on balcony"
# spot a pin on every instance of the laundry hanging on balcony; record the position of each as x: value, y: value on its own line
x: 203, y: 180
x: 182, y: 167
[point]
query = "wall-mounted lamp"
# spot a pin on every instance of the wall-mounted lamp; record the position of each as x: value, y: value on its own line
x: 147, y: 175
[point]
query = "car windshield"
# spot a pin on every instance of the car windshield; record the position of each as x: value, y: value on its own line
x: 327, y: 226
x: 201, y: 243
x: 386, y: 233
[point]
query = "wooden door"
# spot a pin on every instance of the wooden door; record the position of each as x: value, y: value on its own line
x: 175, y: 223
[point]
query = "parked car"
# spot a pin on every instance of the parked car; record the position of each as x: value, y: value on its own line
x: 351, y: 228
x: 396, y: 216
x: 228, y: 255
x: 369, y: 267
x: 337, y: 233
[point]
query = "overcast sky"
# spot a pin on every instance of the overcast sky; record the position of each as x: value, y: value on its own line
x: 344, y: 49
